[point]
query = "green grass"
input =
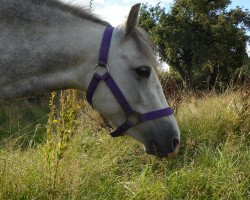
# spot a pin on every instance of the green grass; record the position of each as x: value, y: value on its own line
x: 22, y: 124
x: 213, y: 162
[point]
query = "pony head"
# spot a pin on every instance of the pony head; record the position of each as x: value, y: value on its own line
x: 132, y: 65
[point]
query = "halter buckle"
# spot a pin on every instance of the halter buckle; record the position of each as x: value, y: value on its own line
x: 134, y: 118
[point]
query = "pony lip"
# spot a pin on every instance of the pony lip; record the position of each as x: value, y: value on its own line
x: 153, y: 149
x: 174, y: 153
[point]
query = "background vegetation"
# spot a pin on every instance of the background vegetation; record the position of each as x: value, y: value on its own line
x: 63, y: 151
x: 202, y: 40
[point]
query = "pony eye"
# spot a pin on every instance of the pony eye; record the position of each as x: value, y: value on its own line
x: 143, y: 71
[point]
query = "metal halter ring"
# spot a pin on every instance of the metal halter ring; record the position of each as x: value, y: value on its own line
x: 100, y: 65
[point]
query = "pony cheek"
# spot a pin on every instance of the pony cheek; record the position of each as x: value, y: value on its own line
x: 118, y: 119
x: 136, y: 133
x: 108, y: 107
x: 145, y: 95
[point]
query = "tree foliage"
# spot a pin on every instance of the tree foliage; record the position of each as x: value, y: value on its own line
x: 200, y: 39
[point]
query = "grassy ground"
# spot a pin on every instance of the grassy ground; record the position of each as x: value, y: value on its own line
x: 22, y: 124
x: 213, y: 162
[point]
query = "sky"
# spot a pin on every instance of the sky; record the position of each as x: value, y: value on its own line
x: 115, y: 11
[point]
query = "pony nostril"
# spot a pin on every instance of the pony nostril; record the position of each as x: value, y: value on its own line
x: 175, y: 142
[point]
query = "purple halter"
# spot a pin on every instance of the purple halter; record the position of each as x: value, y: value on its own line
x: 133, y: 117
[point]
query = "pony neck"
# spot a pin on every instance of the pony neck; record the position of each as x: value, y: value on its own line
x: 55, y: 58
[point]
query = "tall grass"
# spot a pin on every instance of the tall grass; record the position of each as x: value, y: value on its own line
x: 22, y: 123
x: 61, y: 127
x: 213, y: 162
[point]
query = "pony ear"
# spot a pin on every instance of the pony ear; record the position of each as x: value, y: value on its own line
x: 132, y: 19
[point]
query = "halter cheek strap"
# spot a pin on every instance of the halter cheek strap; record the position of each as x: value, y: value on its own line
x: 132, y: 117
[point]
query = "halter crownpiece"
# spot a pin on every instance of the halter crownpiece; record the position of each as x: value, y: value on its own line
x: 133, y: 118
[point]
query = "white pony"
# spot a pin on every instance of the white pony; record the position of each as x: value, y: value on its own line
x: 46, y: 45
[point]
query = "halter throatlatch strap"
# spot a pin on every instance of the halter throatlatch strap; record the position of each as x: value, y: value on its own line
x: 133, y: 117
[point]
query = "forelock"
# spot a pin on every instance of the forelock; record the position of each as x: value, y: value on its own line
x: 145, y: 45
x: 142, y: 41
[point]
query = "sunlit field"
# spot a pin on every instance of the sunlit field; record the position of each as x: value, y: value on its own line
x: 213, y: 162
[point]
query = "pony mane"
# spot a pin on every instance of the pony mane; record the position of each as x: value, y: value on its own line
x: 46, y: 11
x: 52, y: 12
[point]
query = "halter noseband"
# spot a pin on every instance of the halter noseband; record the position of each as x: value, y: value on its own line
x: 132, y: 117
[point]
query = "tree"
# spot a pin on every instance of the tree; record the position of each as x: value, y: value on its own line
x: 200, y: 39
